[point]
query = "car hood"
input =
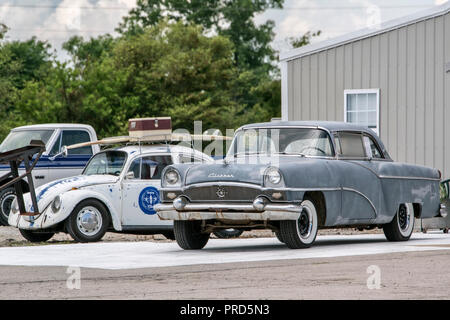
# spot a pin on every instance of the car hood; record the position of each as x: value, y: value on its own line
x: 47, y: 192
x: 248, y: 170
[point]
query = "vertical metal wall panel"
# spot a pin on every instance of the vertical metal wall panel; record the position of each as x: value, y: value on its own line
x: 401, y: 96
x: 384, y: 85
x: 322, y: 86
x: 366, y: 63
x: 374, y: 62
x: 357, y: 64
x: 429, y: 91
x: 420, y: 93
x: 306, y: 84
x: 314, y: 107
x: 392, y: 93
x: 411, y: 94
x: 446, y: 76
x: 407, y: 64
x: 438, y: 122
x: 340, y: 80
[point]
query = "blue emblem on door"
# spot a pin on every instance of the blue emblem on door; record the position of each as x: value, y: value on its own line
x: 147, y: 199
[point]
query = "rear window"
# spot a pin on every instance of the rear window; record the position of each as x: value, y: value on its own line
x: 351, y: 145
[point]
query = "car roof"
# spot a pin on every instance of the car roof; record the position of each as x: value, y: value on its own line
x: 329, y: 125
x: 158, y: 148
x: 53, y: 126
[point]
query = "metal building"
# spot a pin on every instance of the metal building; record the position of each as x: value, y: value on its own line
x: 394, y: 78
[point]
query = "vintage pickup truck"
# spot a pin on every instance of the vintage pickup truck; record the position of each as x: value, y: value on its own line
x: 49, y: 167
x: 295, y: 178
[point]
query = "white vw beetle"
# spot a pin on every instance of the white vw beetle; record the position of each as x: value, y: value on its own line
x: 116, y: 191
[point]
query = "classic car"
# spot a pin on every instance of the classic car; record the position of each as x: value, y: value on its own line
x: 296, y: 178
x: 116, y: 191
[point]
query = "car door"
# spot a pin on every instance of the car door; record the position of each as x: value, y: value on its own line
x: 361, y: 187
x: 76, y: 159
x: 140, y: 190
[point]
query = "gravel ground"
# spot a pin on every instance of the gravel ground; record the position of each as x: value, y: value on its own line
x: 10, y: 237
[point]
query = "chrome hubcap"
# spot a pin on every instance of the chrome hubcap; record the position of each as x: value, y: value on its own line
x: 403, y: 217
x: 89, y: 221
x: 305, y: 223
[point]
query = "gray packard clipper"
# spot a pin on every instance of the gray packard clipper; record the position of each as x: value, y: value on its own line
x: 295, y: 178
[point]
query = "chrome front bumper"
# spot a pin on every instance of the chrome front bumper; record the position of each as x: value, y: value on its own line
x: 229, y: 211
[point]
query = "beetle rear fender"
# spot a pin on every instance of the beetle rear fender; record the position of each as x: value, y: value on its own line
x: 71, y: 199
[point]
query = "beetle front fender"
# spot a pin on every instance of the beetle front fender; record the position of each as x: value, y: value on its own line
x: 69, y: 200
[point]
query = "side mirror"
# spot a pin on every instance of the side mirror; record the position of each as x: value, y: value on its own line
x: 130, y: 175
x: 64, y: 152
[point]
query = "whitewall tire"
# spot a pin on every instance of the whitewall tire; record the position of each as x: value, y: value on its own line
x: 402, y: 226
x: 301, y: 233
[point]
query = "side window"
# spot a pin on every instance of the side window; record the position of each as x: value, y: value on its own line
x: 69, y: 137
x: 188, y: 158
x: 371, y: 148
x: 135, y: 167
x: 149, y: 168
x: 351, y: 145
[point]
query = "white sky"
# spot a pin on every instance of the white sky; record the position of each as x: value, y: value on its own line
x: 57, y: 20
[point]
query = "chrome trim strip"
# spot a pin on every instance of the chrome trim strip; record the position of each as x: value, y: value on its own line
x: 363, y: 195
x: 409, y: 178
x: 226, y: 207
x: 245, y: 185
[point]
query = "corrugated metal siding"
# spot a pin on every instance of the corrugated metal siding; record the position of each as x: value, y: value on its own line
x: 407, y: 65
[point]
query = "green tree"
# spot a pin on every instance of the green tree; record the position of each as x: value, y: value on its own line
x: 231, y: 18
x: 169, y: 69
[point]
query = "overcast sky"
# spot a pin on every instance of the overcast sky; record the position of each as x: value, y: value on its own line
x: 57, y: 20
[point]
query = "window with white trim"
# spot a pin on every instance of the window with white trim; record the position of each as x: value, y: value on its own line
x: 362, y: 107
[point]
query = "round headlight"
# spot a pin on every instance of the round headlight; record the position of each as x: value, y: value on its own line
x: 273, y: 176
x: 56, y: 204
x: 171, y: 177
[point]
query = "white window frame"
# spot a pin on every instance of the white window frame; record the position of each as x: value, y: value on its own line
x: 364, y: 91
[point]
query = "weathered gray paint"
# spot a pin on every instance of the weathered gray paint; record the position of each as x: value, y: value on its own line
x: 356, y: 191
x: 408, y: 64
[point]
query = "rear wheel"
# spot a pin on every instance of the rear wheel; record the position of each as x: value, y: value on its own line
x: 401, y: 227
x: 188, y: 234
x: 228, y: 233
x: 7, y: 196
x: 88, y: 222
x: 301, y: 233
x: 34, y: 236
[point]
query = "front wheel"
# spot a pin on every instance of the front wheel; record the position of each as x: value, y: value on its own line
x: 301, y: 233
x: 189, y: 235
x: 401, y: 227
x: 34, y: 236
x: 88, y: 222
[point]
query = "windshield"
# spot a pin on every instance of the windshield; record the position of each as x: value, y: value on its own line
x: 19, y: 139
x: 269, y: 141
x: 108, y: 162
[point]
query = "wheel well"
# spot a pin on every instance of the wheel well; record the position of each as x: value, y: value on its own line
x: 417, y: 210
x: 319, y: 201
x: 25, y: 186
